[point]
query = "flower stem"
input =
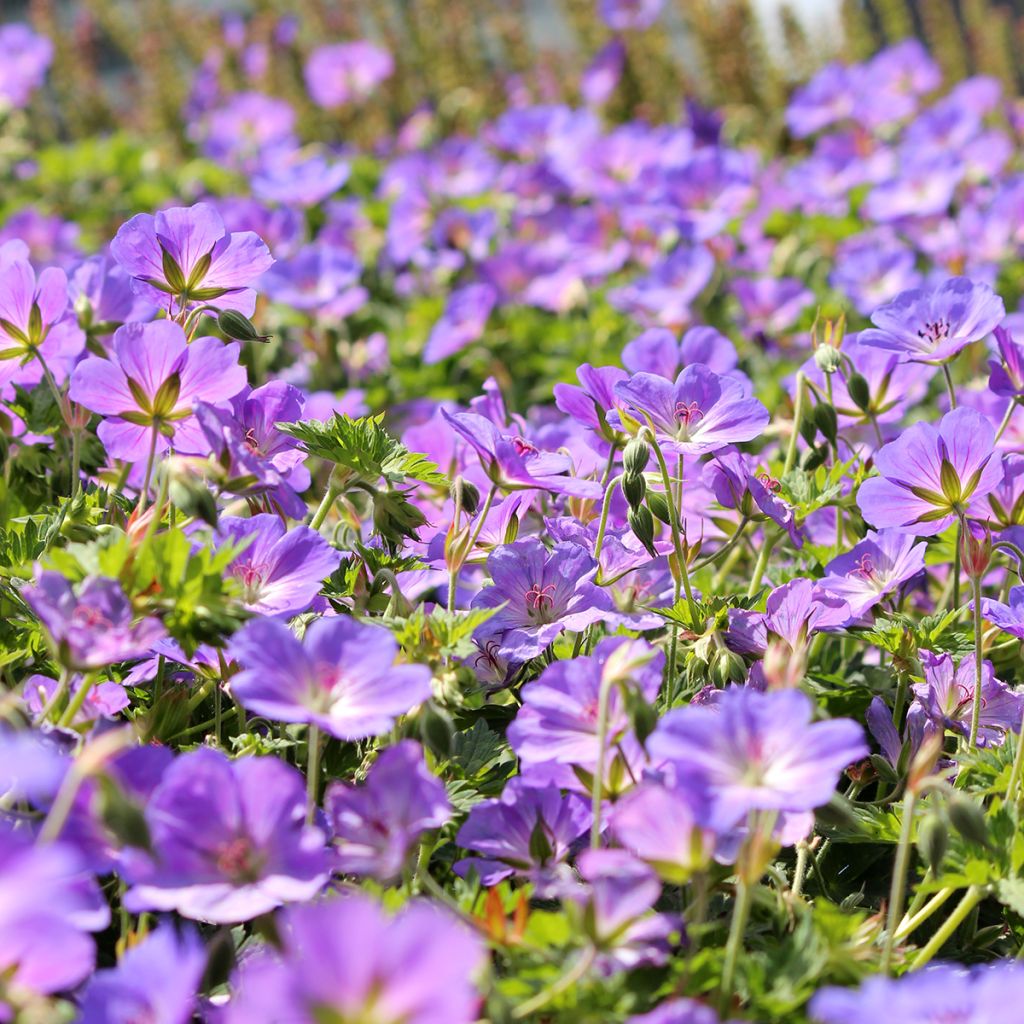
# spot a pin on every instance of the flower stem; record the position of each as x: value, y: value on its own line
x: 974, y: 895
x: 798, y: 415
x: 914, y: 921
x: 898, y: 888
x: 949, y: 385
x: 324, y: 507
x: 603, y: 524
x: 762, y: 564
x: 557, y: 987
x: 680, y: 575
x: 76, y: 702
x: 151, y: 458
x: 76, y: 462
x: 312, y: 771
x: 1018, y: 761
x: 738, y: 925
x: 597, y: 786
x: 979, y: 655
x: 1007, y: 416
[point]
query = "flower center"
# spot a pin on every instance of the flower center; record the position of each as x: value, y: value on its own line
x: 88, y: 616
x: 865, y: 567
x: 689, y: 415
x: 252, y: 442
x: 251, y: 575
x: 522, y: 446
x: 540, y: 599
x: 934, y: 331
x: 769, y: 482
x: 239, y: 860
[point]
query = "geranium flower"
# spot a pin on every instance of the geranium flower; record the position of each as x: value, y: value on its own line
x: 343, y: 73
x: 538, y: 593
x: 229, y: 838
x: 933, y: 325
x: 757, y: 751
x: 345, y: 959
x: 701, y: 412
x: 184, y: 257
x: 932, y: 474
x: 281, y: 571
x: 947, y: 697
x: 153, y: 981
x: 528, y: 830
x: 377, y: 825
x: 876, y: 567
x: 341, y: 676
x: 147, y: 388
x: 91, y: 625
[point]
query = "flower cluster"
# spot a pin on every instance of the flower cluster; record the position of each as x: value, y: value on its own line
x: 359, y: 668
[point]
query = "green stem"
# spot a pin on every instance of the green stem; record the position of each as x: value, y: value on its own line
x: 324, y: 507
x: 956, y: 565
x: 76, y: 462
x: 55, y: 699
x: 680, y: 575
x: 76, y: 702
x: 312, y: 771
x: 150, y: 459
x: 914, y: 921
x: 603, y: 523
x: 762, y: 564
x: 557, y: 987
x: 974, y: 895
x: 798, y: 415
x: 597, y: 786
x: 949, y: 385
x: 898, y: 888
x: 736, y: 537
x: 1007, y: 416
x: 902, y: 687
x: 803, y: 852
x: 734, y: 944
x: 978, y: 661
x: 481, y: 519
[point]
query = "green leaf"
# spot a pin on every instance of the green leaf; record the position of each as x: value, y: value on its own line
x: 478, y: 749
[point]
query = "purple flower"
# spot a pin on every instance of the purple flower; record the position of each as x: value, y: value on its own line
x: 662, y: 825
x: 543, y: 593
x: 304, y: 180
x: 873, y: 268
x: 247, y: 442
x: 755, y: 751
x: 514, y: 463
x: 185, y: 255
x: 663, y: 296
x: 36, y: 324
x: 147, y: 388
x: 463, y: 321
x: 376, y: 826
x: 617, y: 900
x: 341, y: 676
x: 772, y: 304
x: 657, y: 350
x: 590, y: 402
x: 103, y: 700
x: 526, y: 831
x: 1006, y: 377
x: 107, y: 290
x: 48, y: 904
x: 322, y: 279
x: 155, y: 981
x: 230, y: 840
x: 601, y: 76
x: 1008, y: 617
x: 27, y: 57
x: 883, y: 730
x: 876, y: 567
x: 678, y: 1011
x: 931, y: 474
x: 943, y: 992
x: 947, y: 697
x: 731, y: 476
x: 827, y: 98
x: 932, y: 326
x: 247, y: 131
x: 558, y: 720
x: 793, y: 612
x: 620, y: 15
x: 346, y: 72
x: 281, y: 570
x: 90, y: 625
x: 701, y: 412
x: 346, y: 960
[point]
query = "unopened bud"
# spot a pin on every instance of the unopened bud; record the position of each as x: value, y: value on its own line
x: 826, y: 421
x: 827, y: 358
x: 470, y: 495
x: 641, y: 522
x: 636, y: 456
x: 635, y: 489
x: 658, y: 504
x: 968, y: 819
x: 238, y: 327
x: 975, y: 549
x: 859, y: 391
x: 933, y: 841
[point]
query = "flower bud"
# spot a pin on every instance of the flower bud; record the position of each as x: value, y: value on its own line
x: 635, y: 489
x: 658, y: 504
x: 858, y: 389
x: 728, y: 667
x: 238, y: 327
x: 975, y: 549
x: 470, y: 495
x: 933, y: 841
x: 826, y: 421
x: 827, y: 358
x: 967, y: 817
x: 641, y: 522
x: 636, y: 456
